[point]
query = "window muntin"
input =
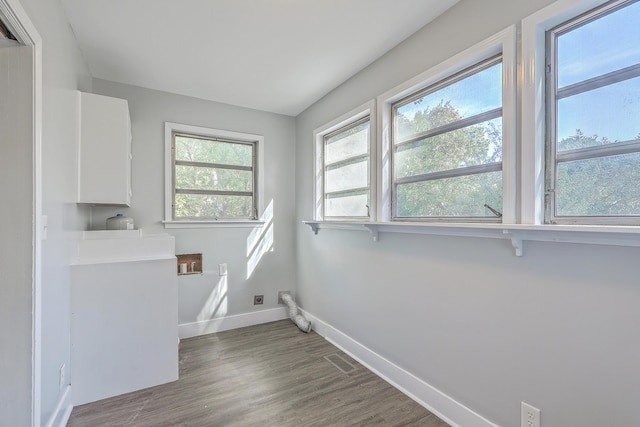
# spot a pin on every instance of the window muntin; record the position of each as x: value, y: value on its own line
x: 593, y: 102
x: 213, y: 178
x: 447, y: 148
x: 346, y: 171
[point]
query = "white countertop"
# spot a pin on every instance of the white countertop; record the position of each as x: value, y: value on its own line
x: 105, y: 246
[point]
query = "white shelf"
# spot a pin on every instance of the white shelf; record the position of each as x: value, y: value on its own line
x: 517, y: 233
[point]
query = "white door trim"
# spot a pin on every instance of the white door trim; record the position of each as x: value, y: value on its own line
x: 24, y: 30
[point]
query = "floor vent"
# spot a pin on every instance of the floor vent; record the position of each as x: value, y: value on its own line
x: 336, y: 360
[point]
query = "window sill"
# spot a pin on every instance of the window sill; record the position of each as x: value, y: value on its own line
x: 213, y: 224
x: 517, y: 233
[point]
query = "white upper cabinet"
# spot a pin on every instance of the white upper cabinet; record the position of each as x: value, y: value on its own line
x: 104, y: 158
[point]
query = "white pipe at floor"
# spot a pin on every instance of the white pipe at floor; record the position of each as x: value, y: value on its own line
x: 298, y: 319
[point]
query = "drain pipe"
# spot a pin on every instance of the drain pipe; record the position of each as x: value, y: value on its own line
x: 298, y: 319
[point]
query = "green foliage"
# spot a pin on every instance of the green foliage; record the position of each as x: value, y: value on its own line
x: 471, y: 146
x: 580, y: 140
x: 463, y: 196
x: 211, y: 206
x: 210, y: 178
x: 604, y: 186
x: 203, y: 178
x: 194, y: 149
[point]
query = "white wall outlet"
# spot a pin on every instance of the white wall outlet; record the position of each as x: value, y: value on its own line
x: 529, y: 415
x: 222, y: 269
x: 62, y: 379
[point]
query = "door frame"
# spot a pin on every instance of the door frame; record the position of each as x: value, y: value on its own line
x: 22, y: 27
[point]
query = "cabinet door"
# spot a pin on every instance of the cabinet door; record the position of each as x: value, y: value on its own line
x: 124, y: 327
x: 105, y: 151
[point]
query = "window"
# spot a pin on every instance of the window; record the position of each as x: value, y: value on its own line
x: 213, y: 174
x: 346, y: 171
x: 447, y: 148
x: 343, y: 168
x: 593, y: 105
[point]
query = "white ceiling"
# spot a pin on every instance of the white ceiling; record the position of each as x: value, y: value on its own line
x: 272, y: 55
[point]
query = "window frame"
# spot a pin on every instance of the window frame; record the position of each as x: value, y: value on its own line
x: 171, y: 129
x: 503, y: 44
x: 552, y: 96
x: 456, y: 125
x: 319, y: 136
x: 533, y: 151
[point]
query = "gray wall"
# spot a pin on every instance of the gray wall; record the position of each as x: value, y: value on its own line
x: 63, y: 71
x: 276, y: 271
x: 557, y: 327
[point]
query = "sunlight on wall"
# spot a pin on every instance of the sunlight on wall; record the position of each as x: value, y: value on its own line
x: 216, y: 304
x: 260, y: 241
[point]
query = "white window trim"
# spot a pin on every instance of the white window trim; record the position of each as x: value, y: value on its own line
x: 169, y: 222
x: 367, y: 109
x: 503, y: 43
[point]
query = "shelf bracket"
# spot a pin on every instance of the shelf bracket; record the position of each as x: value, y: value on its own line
x: 516, y: 242
x: 373, y: 229
x: 314, y: 227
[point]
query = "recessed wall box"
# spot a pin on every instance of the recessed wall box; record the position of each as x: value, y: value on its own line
x: 193, y: 262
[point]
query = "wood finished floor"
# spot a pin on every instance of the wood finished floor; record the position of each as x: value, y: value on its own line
x: 264, y: 375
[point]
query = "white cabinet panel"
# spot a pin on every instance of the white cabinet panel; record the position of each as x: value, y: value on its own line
x: 124, y: 327
x: 104, y: 160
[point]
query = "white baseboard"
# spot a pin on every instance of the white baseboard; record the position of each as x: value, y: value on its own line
x: 445, y: 407
x: 61, y: 414
x: 188, y: 330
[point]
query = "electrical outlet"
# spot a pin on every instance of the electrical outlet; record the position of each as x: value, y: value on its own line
x: 222, y: 269
x: 529, y: 416
x: 62, y: 379
x: 280, y: 293
x: 258, y: 299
